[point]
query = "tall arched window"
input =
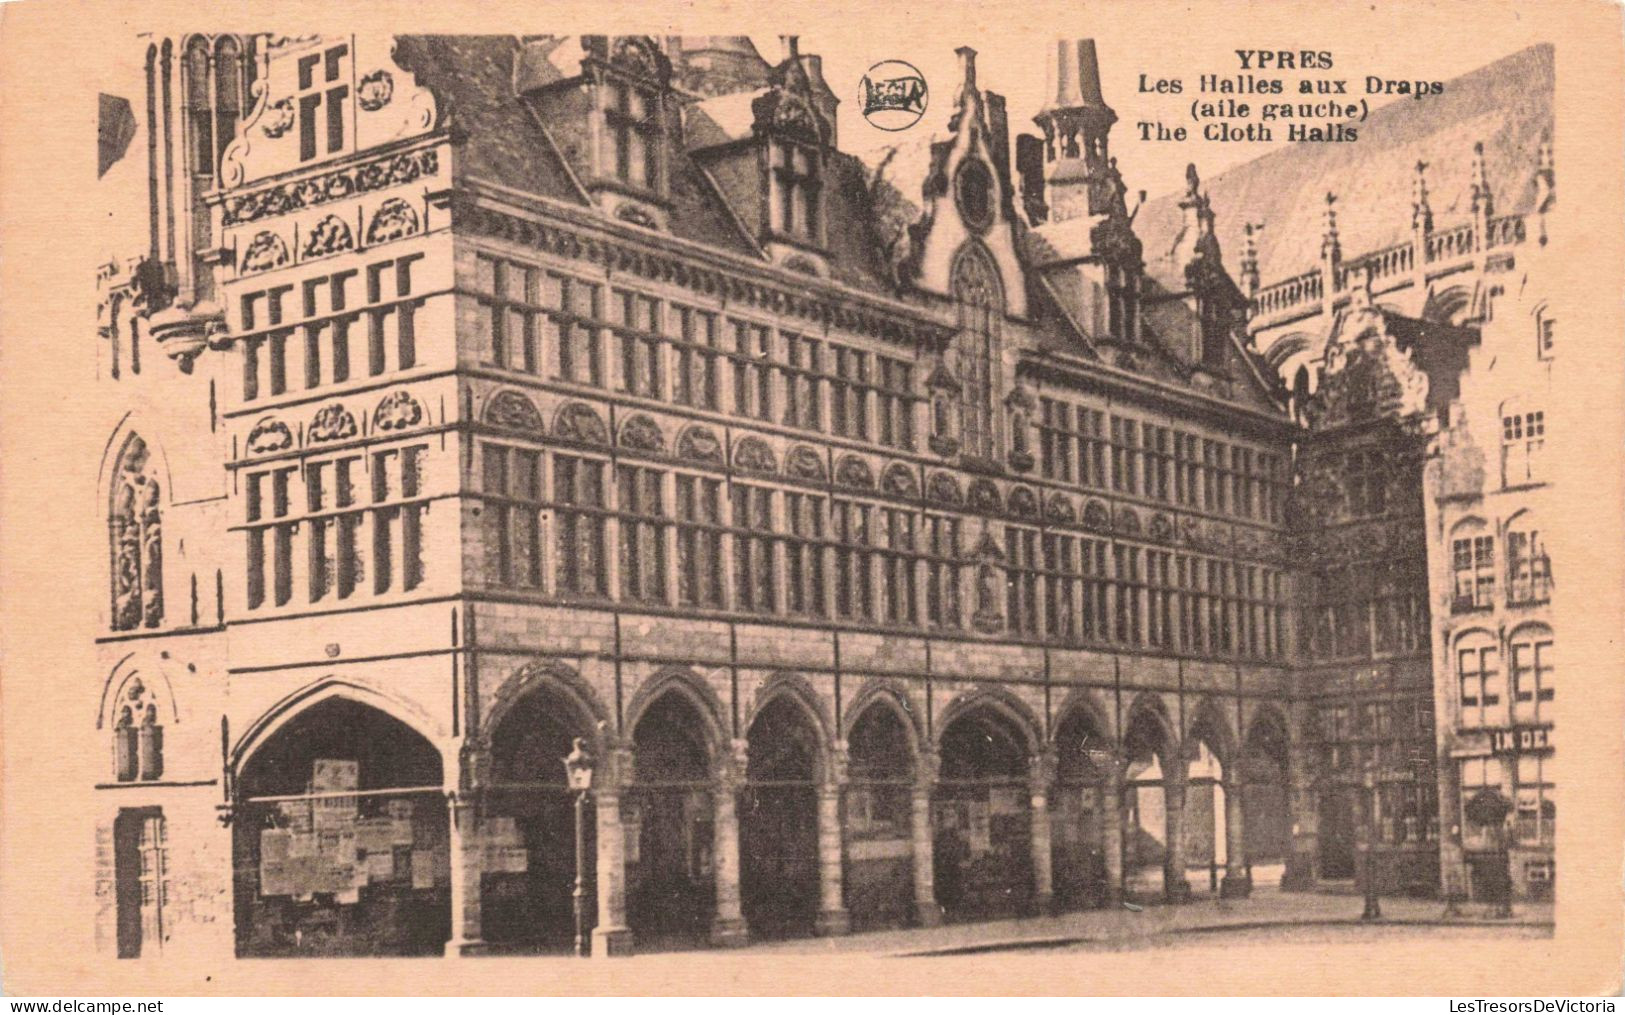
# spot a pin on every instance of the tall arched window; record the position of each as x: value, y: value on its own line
x: 980, y: 299
x: 135, y: 529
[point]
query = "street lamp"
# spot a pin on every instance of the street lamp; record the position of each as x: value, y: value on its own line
x: 578, y: 775
x: 1373, y: 905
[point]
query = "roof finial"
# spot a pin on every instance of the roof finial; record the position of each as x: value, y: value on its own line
x: 1482, y: 201
x: 1192, y: 181
x: 1421, y: 212
x: 1249, y: 255
x: 1328, y: 245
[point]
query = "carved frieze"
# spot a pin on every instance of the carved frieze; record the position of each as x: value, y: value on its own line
x: 393, y: 220
x: 1023, y: 502
x: 337, y: 185
x: 984, y: 496
x: 943, y: 488
x: 329, y: 236
x: 804, y: 462
x: 899, y: 481
x: 265, y: 251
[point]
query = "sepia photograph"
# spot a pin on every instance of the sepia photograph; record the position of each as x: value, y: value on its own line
x: 990, y: 497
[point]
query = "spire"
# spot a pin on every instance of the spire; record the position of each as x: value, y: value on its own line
x: 1545, y: 177
x: 1074, y: 77
x: 1421, y: 212
x: 1483, y: 202
x: 1076, y: 123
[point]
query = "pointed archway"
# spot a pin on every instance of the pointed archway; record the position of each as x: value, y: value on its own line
x: 526, y: 827
x: 778, y: 822
x: 669, y: 817
x: 982, y: 821
x: 340, y: 838
x: 880, y: 890
x: 1082, y: 805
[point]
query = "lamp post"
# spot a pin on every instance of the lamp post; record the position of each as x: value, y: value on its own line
x: 1373, y: 905
x: 578, y: 774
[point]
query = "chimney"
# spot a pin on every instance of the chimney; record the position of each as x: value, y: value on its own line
x: 823, y: 97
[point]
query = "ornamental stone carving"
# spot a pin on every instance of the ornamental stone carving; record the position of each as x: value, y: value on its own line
x: 393, y: 220
x: 752, y: 454
x: 943, y: 488
x: 1096, y: 516
x: 1162, y: 527
x: 700, y: 444
x: 854, y: 472
x: 331, y: 423
x: 640, y: 433
x: 514, y: 411
x: 1059, y: 509
x: 269, y: 435
x: 984, y: 496
x: 580, y: 423
x: 1128, y: 523
x: 375, y: 90
x: 804, y: 462
x: 397, y: 411
x: 265, y: 251
x: 899, y: 481
x: 329, y: 236
x: 1023, y: 502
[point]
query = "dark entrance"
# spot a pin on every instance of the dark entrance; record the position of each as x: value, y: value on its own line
x: 527, y: 831
x: 879, y: 879
x: 778, y: 824
x: 982, y: 825
x: 1146, y: 751
x: 1079, y: 812
x: 340, y: 839
x: 671, y: 881
x: 1338, y: 832
x: 141, y: 880
x: 1265, y: 801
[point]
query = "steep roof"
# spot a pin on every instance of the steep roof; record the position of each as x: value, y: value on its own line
x: 1507, y: 105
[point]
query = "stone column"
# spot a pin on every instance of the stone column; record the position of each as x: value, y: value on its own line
x: 926, y: 911
x: 611, y: 937
x: 1301, y: 873
x: 1175, y: 888
x: 832, y: 914
x: 1237, y: 883
x: 1112, y: 818
x: 728, y: 929
x: 466, y: 865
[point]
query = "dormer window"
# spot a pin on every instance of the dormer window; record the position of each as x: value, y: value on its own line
x: 795, y: 200
x: 631, y: 133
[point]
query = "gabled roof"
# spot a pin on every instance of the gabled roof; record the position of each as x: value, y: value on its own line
x: 1507, y: 105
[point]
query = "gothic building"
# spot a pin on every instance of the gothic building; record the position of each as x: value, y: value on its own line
x: 901, y: 544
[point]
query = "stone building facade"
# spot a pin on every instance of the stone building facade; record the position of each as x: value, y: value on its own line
x: 901, y: 545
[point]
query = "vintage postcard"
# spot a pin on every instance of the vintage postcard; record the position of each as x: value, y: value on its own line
x: 1087, y: 499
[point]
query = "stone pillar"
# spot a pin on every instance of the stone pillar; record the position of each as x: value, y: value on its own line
x: 611, y: 937
x: 1300, y: 873
x: 1112, y: 818
x: 1237, y: 883
x: 1043, y: 879
x: 466, y: 866
x: 1043, y: 859
x: 728, y: 929
x: 832, y: 914
x: 1175, y: 888
x: 926, y: 911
